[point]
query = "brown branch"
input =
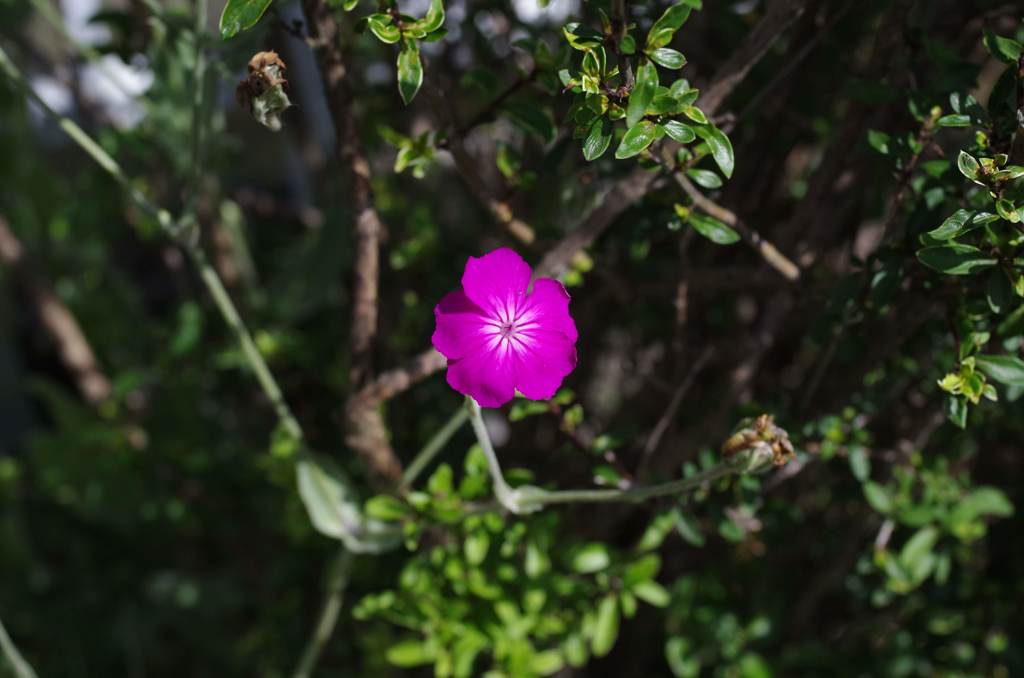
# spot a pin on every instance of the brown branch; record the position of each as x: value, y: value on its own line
x: 776, y: 259
x: 780, y: 15
x: 621, y: 196
x: 673, y: 407
x: 471, y: 175
x: 366, y: 432
x: 72, y: 345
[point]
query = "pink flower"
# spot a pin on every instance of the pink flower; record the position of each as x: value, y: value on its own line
x: 498, y: 337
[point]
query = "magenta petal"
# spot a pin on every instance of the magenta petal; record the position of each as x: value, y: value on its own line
x: 544, y: 363
x: 549, y: 301
x: 497, y: 279
x: 460, y: 326
x: 488, y: 377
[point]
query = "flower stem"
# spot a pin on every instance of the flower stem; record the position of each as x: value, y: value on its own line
x: 633, y: 494
x: 504, y: 494
x: 434, y: 446
x: 20, y: 667
x: 175, y: 229
x: 341, y: 568
x: 529, y: 499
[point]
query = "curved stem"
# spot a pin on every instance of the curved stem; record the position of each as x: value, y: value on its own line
x: 502, y: 491
x: 633, y: 494
x: 175, y: 229
x: 434, y: 445
x: 341, y: 568
x: 528, y: 499
x: 21, y: 668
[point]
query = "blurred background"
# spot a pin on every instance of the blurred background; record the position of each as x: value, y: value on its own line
x: 149, y: 518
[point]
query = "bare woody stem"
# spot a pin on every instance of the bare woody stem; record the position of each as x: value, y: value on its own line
x: 772, y: 256
x: 177, y: 230
x: 624, y: 193
x: 365, y: 429
x: 72, y: 344
x: 471, y: 175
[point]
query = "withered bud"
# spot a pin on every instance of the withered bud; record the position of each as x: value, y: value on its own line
x: 758, y: 442
x: 262, y: 92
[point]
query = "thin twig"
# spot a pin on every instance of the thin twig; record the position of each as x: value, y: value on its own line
x: 470, y: 173
x: 434, y: 446
x: 21, y: 668
x: 622, y: 195
x: 781, y: 14
x: 772, y: 256
x: 365, y: 428
x: 176, y: 230
x: 72, y: 344
x: 673, y: 406
x: 340, y: 570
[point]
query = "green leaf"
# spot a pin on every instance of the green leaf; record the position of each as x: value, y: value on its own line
x: 878, y: 497
x: 695, y: 114
x: 332, y: 507
x: 983, y: 501
x: 956, y: 410
x: 241, y: 15
x: 410, y: 653
x: 998, y: 291
x: 1004, y: 49
x: 669, y: 58
x: 591, y: 558
x: 682, y: 665
x: 968, y: 165
x: 721, y: 147
x: 434, y: 18
x: 636, y: 139
x: 705, y: 178
x: 916, y: 556
x: 952, y: 226
x: 652, y: 593
x: 1005, y: 369
x: 598, y: 139
x: 575, y: 650
x: 643, y: 92
x: 955, y: 258
x: 410, y: 71
x: 954, y: 121
x: 384, y: 507
x: 688, y: 529
x: 382, y: 26
x: 641, y: 570
x: 546, y: 663
x: 879, y: 141
x: 606, y: 627
x: 860, y: 463
x: 582, y: 37
x: 476, y: 545
x: 678, y: 131
x: 531, y: 118
x: 713, y: 229
x: 667, y: 24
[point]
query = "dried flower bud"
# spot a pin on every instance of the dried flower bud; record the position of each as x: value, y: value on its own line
x: 758, y: 442
x: 262, y: 91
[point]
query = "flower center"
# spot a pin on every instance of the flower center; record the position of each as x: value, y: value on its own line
x: 507, y: 330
